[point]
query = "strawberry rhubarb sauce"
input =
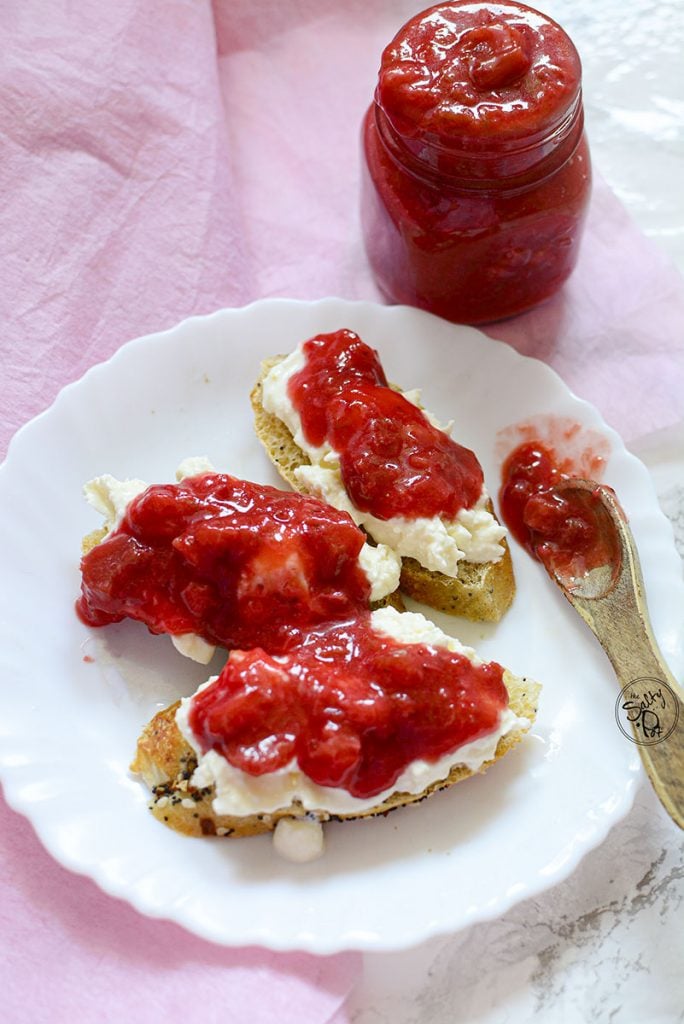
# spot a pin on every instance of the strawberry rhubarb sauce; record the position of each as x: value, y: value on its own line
x: 393, y: 461
x: 563, y: 531
x: 476, y: 174
x: 349, y: 706
x: 239, y: 564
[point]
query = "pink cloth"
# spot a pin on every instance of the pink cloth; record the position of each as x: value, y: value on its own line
x: 70, y: 953
x: 163, y: 159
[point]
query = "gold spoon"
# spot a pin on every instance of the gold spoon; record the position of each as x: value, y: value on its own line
x: 610, y: 598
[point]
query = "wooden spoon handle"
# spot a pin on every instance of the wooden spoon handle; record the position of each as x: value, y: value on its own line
x: 651, y: 700
x: 664, y: 764
x: 621, y: 623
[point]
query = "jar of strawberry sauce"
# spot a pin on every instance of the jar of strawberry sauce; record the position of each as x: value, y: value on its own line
x: 477, y: 172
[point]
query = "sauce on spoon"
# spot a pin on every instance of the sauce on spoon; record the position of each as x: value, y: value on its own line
x: 565, y: 528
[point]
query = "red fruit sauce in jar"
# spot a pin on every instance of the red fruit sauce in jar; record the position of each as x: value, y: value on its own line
x: 563, y: 531
x: 477, y: 172
x: 351, y: 706
x: 238, y: 563
x: 393, y: 461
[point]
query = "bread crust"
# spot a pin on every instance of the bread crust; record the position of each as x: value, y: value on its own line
x: 166, y: 763
x: 482, y: 591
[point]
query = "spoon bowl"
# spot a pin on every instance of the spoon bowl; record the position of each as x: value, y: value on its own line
x: 576, y: 532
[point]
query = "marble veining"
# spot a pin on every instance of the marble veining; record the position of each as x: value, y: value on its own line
x: 592, y: 949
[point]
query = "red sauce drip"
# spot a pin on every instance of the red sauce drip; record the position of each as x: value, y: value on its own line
x: 240, y: 564
x: 351, y: 706
x: 562, y: 531
x: 392, y: 460
x: 530, y: 469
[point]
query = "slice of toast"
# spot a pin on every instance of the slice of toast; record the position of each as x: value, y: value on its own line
x: 226, y: 584
x: 482, y: 591
x: 166, y: 763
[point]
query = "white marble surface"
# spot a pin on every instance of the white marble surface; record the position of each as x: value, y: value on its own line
x: 607, y: 945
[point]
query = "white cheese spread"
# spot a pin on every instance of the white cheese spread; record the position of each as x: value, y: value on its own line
x: 193, y: 646
x: 110, y: 497
x: 299, y: 839
x: 437, y: 543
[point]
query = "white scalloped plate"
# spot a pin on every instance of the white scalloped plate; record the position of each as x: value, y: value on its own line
x: 74, y: 699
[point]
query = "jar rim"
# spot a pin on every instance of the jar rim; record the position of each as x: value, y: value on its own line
x: 430, y: 83
x: 466, y: 167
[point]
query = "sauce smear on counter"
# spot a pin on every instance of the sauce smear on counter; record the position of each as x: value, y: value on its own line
x: 240, y: 564
x: 351, y: 706
x: 393, y: 461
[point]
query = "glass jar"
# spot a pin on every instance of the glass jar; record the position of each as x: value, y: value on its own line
x: 477, y: 172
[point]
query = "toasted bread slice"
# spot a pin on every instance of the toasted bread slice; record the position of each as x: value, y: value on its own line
x: 166, y: 763
x: 481, y: 592
x: 202, y: 647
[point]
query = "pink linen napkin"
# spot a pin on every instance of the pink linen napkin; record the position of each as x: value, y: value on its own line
x: 615, y: 333
x: 71, y: 953
x: 164, y: 159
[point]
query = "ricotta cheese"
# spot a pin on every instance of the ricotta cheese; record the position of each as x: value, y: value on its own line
x: 110, y: 497
x: 193, y: 646
x: 299, y: 839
